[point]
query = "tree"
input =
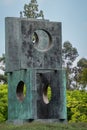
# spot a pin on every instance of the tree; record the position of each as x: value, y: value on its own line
x: 31, y: 10
x: 2, y: 60
x: 3, y: 77
x: 82, y: 63
x: 76, y: 71
x: 69, y: 54
x: 82, y: 76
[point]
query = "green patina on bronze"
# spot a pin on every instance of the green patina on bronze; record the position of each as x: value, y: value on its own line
x: 17, y: 108
x: 34, y: 60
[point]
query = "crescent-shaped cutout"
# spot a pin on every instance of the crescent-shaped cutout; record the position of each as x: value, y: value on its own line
x: 42, y: 40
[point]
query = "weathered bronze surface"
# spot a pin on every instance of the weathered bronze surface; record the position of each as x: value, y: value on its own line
x: 34, y: 60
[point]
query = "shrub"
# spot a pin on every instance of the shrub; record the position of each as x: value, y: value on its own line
x: 77, y: 106
x: 3, y: 102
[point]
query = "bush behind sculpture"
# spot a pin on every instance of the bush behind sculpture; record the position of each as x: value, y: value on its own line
x: 3, y: 102
x: 76, y: 105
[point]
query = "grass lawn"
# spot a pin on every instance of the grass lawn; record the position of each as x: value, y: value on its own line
x: 44, y: 126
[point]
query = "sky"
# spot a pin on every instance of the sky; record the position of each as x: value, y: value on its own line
x: 71, y: 13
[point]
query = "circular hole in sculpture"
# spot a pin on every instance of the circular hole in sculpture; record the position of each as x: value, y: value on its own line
x: 47, y: 94
x: 42, y: 40
x: 21, y: 91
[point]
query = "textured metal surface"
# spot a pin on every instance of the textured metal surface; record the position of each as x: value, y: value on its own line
x: 21, y: 53
x: 17, y: 109
x: 56, y: 108
x: 50, y: 110
x: 34, y: 58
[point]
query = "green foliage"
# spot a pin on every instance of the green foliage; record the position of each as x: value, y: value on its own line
x: 77, y: 106
x: 3, y: 102
x: 49, y: 93
x: 31, y: 10
x: 3, y: 77
x: 82, y: 63
x: 2, y: 59
x: 82, y: 75
x: 69, y: 54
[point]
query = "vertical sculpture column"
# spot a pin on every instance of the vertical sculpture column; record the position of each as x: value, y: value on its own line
x: 63, y: 109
